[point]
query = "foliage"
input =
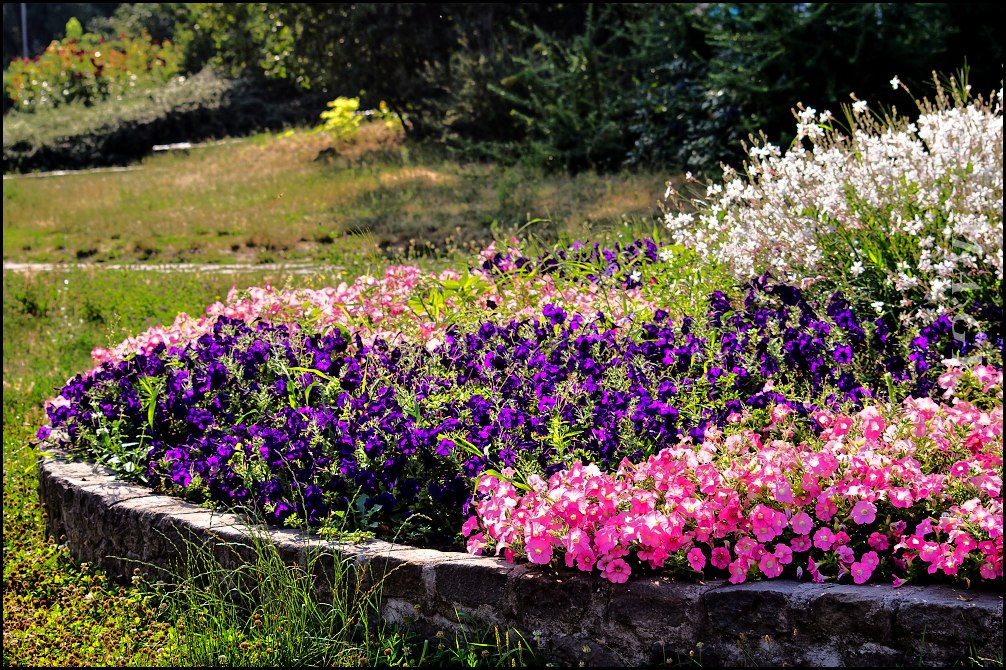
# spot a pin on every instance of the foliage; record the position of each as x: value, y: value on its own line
x: 88, y: 69
x: 765, y: 56
x: 672, y: 85
x: 343, y: 117
x: 247, y: 607
x: 598, y: 85
x: 680, y: 118
x: 46, y: 22
x: 240, y: 605
x: 375, y: 51
x: 175, y: 21
x: 556, y: 89
x: 121, y: 130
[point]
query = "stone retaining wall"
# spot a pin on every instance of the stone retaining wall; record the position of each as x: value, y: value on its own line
x: 575, y: 618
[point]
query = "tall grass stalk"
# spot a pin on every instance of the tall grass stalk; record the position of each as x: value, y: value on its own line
x: 241, y: 604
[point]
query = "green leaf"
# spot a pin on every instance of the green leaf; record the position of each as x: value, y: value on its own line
x: 312, y: 371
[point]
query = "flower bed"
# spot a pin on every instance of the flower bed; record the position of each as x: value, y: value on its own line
x: 593, y: 407
x: 868, y: 498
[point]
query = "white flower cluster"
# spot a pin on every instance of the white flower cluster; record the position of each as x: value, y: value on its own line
x: 921, y: 203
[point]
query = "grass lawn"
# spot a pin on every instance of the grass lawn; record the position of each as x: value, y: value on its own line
x: 296, y: 197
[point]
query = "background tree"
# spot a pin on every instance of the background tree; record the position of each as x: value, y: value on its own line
x: 673, y: 86
x: 46, y: 22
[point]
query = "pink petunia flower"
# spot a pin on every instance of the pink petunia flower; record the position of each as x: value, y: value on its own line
x: 800, y: 543
x: 617, y: 571
x: 469, y: 526
x: 960, y: 469
x: 824, y: 538
x: 860, y: 572
x: 539, y: 549
x: 878, y: 541
x: 815, y: 574
x: 770, y: 565
x: 845, y: 553
x: 841, y: 426
x: 739, y: 571
x: 825, y: 509
x: 801, y: 523
x: 783, y: 553
x: 476, y: 543
x: 696, y: 559
x: 864, y: 512
x: 720, y: 558
x: 873, y: 424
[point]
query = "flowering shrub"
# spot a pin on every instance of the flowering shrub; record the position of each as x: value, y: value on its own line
x: 296, y: 420
x: 908, y: 212
x: 891, y: 491
x: 89, y: 68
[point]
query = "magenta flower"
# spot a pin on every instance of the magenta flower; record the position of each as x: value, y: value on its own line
x: 815, y: 574
x: 800, y: 543
x: 845, y: 553
x: 878, y: 541
x: 930, y: 552
x: 738, y: 571
x: 617, y: 571
x: 476, y: 543
x: 801, y: 523
x: 960, y: 469
x: 696, y: 559
x: 841, y: 426
x: 824, y: 538
x: 470, y: 525
x: 720, y: 558
x: 864, y: 512
x: 873, y: 424
x: 900, y: 497
x: 860, y: 572
x: 770, y: 565
x: 825, y: 508
x: 824, y: 418
x: 539, y: 549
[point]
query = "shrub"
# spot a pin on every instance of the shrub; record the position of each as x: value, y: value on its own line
x: 88, y: 68
x: 114, y: 132
x: 343, y: 117
x: 907, y: 214
x: 568, y: 95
